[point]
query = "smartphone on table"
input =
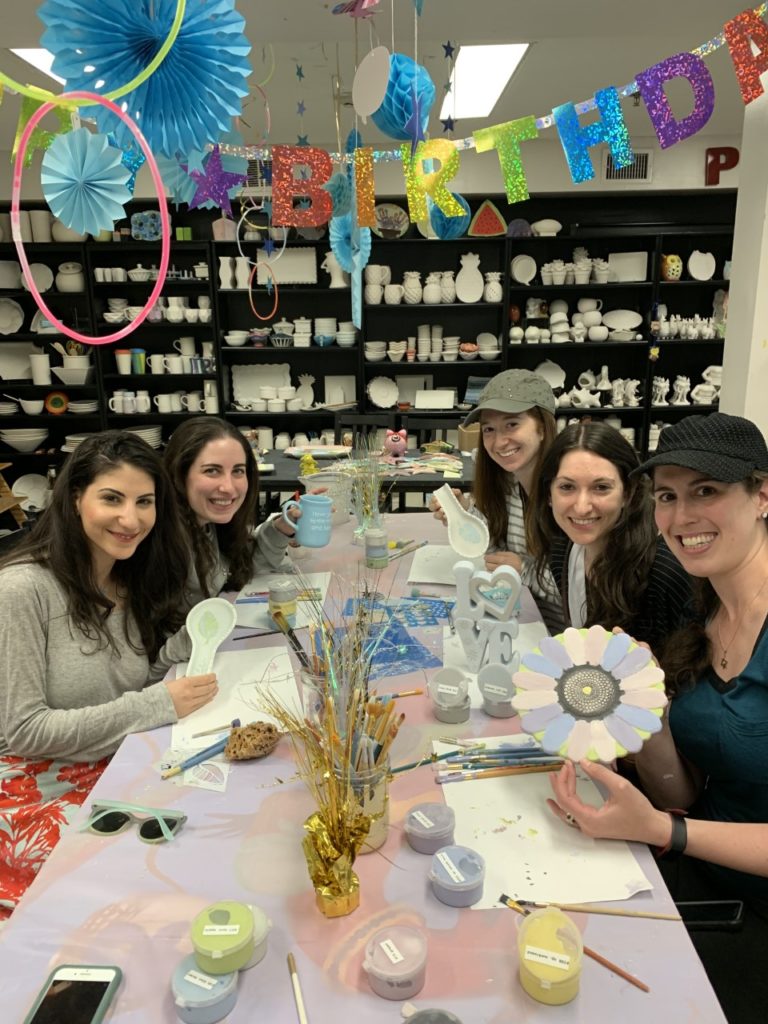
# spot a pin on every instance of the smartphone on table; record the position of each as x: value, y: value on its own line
x: 712, y: 915
x: 75, y: 994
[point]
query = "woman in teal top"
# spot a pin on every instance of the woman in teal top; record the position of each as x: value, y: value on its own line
x: 710, y: 481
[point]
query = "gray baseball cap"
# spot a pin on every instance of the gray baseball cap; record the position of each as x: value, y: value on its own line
x: 514, y: 391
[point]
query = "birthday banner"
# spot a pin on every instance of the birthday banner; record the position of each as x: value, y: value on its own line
x: 300, y: 173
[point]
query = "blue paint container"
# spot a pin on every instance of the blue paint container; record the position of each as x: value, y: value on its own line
x: 202, y: 998
x: 429, y: 827
x: 457, y: 875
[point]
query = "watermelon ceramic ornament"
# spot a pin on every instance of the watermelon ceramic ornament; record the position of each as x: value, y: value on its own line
x: 487, y: 221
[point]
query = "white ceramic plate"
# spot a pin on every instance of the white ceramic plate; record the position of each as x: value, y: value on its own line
x: 14, y: 359
x: 34, y: 487
x: 318, y: 451
x: 553, y: 374
x: 11, y: 316
x: 622, y: 335
x: 246, y: 380
x: 383, y: 392
x: 41, y: 275
x: 523, y: 269
x: 627, y: 266
x: 701, y: 265
x: 546, y: 227
x: 622, y: 319
x: 10, y: 274
x: 391, y: 221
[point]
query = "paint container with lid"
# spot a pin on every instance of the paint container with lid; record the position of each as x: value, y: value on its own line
x: 223, y: 937
x: 551, y: 951
x: 457, y: 875
x: 449, y: 690
x: 433, y: 1017
x: 428, y: 827
x: 395, y: 961
x: 282, y: 598
x: 497, y: 687
x: 261, y: 929
x: 199, y: 997
x: 376, y: 548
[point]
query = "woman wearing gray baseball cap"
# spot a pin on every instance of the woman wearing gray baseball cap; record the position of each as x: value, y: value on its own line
x: 517, y: 425
x: 710, y: 483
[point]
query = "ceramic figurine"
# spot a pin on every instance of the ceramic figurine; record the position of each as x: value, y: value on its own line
x: 603, y: 383
x: 704, y: 394
x: 631, y: 399
x: 395, y: 445
x: 671, y: 267
x: 412, y: 285
x: 339, y: 279
x: 493, y: 291
x: 304, y: 390
x: 308, y: 466
x: 582, y: 399
x: 653, y: 436
x: 447, y: 287
x: 432, y: 292
x: 469, y: 280
x: 617, y: 396
x: 680, y: 390
x: 660, y: 390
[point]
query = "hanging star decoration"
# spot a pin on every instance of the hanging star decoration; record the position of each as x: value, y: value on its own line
x: 448, y: 123
x: 449, y: 48
x: 299, y: 72
x: 269, y: 284
x: 413, y: 125
x: 267, y: 207
x: 214, y: 183
x: 40, y: 137
x: 301, y: 108
x: 447, y: 86
x: 302, y: 140
x: 269, y: 246
x: 132, y: 160
x: 419, y: 6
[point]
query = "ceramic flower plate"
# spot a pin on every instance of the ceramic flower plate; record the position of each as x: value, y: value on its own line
x: 383, y: 392
x: 590, y: 693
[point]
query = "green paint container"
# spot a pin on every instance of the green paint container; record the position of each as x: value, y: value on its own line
x: 222, y: 936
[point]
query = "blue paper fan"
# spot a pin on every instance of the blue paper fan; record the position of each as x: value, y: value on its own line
x: 449, y: 227
x: 84, y: 181
x: 191, y: 98
x: 407, y: 80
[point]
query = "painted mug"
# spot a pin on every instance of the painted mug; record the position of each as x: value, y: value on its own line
x: 313, y: 529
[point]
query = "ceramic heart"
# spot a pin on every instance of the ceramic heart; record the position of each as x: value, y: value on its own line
x: 498, y: 591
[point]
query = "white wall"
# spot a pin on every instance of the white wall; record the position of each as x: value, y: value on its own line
x: 681, y: 167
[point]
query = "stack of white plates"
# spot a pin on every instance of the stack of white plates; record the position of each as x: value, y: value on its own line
x: 8, y: 408
x: 152, y: 435
x: 83, y: 407
x: 71, y: 441
x: 24, y: 440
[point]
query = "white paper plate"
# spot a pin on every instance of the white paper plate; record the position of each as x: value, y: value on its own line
x: 41, y: 275
x: 34, y: 487
x: 11, y: 316
x: 523, y: 269
x: 369, y: 85
x: 383, y: 392
x: 622, y: 319
x: 553, y: 374
x: 701, y: 265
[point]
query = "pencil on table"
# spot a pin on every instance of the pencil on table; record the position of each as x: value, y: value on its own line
x: 590, y: 908
x: 301, y: 1013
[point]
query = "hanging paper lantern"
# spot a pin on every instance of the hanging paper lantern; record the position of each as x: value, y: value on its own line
x: 194, y: 93
x: 409, y: 84
x: 84, y: 181
x: 350, y: 243
x: 449, y: 227
x: 340, y: 191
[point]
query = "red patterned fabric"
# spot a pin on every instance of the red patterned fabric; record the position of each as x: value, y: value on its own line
x: 37, y: 800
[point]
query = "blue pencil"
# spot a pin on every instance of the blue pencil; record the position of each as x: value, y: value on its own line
x: 198, y: 758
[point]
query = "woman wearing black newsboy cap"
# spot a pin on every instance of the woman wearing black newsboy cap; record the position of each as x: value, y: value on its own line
x: 710, y: 762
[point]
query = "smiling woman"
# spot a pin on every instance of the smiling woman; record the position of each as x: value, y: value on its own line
x: 595, y: 533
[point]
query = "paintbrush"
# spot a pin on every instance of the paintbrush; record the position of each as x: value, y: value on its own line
x: 281, y: 621
x: 597, y: 957
x: 198, y: 758
x: 589, y: 908
x: 407, y: 551
x: 495, y: 773
x: 428, y: 759
x: 212, y: 732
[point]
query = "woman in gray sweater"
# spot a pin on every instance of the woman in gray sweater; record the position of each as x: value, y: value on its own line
x: 88, y: 602
x: 214, y: 474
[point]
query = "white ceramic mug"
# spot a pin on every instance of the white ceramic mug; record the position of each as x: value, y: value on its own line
x: 41, y: 368
x: 157, y: 363
x: 266, y: 438
x: 587, y: 305
x: 193, y: 401
x: 186, y: 346
x: 143, y: 401
x: 207, y: 347
x: 373, y: 274
x: 163, y: 402
x: 211, y: 405
x: 176, y: 401
x: 174, y: 364
x: 386, y: 275
x: 123, y: 361
x: 282, y: 441
x: 116, y: 402
x: 373, y: 294
x: 129, y: 402
x: 393, y: 294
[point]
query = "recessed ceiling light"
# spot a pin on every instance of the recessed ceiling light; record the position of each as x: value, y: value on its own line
x: 40, y: 59
x: 479, y: 76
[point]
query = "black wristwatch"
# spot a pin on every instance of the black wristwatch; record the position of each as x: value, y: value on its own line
x: 678, y: 840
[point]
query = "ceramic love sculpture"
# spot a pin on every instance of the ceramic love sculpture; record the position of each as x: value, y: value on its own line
x: 485, y: 613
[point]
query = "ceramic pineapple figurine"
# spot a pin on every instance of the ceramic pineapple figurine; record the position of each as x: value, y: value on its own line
x: 469, y: 281
x: 304, y: 390
x: 447, y: 287
x: 493, y: 291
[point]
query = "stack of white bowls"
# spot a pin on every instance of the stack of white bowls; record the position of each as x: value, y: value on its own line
x: 558, y: 325
x: 423, y: 346
x: 326, y: 326
x: 346, y: 336
x: 302, y: 334
x: 396, y: 350
x: 26, y: 440
x: 451, y: 348
x: 375, y: 351
x: 488, y: 345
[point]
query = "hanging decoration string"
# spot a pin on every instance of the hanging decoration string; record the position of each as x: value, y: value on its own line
x: 255, y: 312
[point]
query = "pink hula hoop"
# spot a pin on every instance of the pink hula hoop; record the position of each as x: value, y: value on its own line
x: 165, y: 250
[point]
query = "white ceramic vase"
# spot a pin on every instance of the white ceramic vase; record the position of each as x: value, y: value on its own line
x: 242, y: 271
x: 412, y: 285
x: 432, y: 293
x: 225, y: 272
x: 447, y: 287
x: 493, y: 291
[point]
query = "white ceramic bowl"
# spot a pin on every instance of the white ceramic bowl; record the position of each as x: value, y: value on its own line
x: 32, y: 407
x: 489, y: 353
x: 114, y: 318
x: 450, y: 357
x: 468, y: 355
x: 235, y: 342
x: 71, y: 377
x: 138, y: 275
x: 395, y: 357
x: 375, y: 357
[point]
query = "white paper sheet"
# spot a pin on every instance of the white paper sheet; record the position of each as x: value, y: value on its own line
x: 529, y: 853
x: 453, y: 653
x: 256, y: 615
x: 434, y: 564
x: 242, y: 677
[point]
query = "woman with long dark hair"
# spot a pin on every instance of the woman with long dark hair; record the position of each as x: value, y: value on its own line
x: 213, y: 472
x: 88, y: 602
x: 593, y: 530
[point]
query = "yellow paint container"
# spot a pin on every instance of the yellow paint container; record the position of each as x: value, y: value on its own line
x: 551, y: 952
